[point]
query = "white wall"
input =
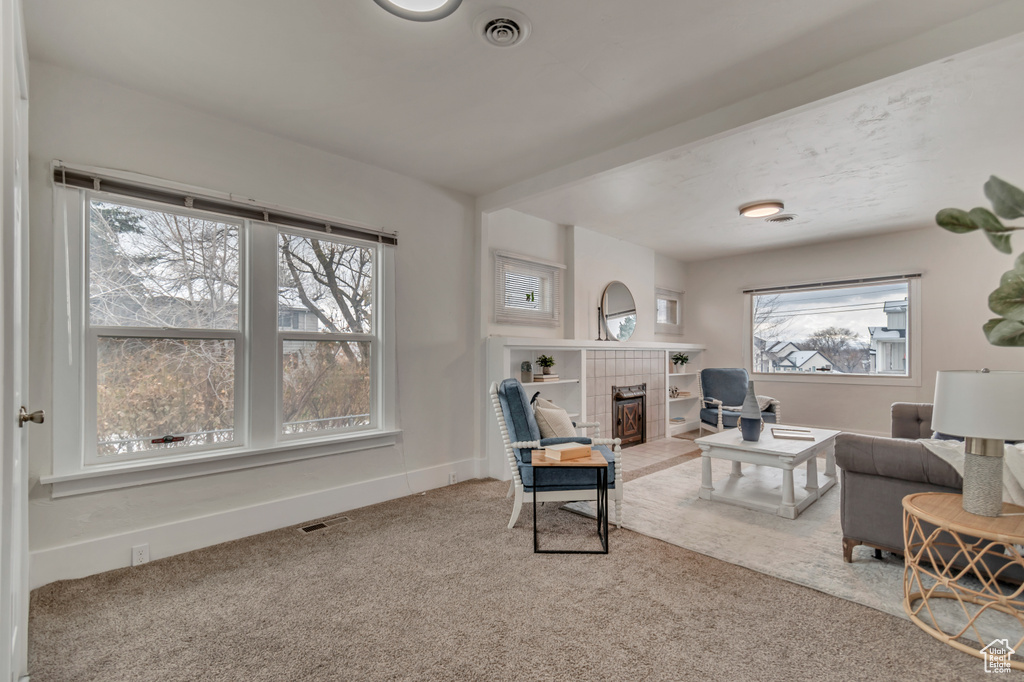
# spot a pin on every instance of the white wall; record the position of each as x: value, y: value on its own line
x: 599, y: 259
x: 85, y: 121
x: 959, y: 272
x: 515, y: 232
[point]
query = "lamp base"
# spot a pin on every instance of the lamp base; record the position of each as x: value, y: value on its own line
x: 983, y: 477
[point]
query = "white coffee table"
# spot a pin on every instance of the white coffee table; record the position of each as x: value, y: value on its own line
x: 763, y: 487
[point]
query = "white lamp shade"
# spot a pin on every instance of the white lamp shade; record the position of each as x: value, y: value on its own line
x: 979, y: 404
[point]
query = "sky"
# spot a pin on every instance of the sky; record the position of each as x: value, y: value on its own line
x: 855, y: 308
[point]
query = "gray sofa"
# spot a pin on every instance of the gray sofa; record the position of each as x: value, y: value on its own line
x: 877, y: 473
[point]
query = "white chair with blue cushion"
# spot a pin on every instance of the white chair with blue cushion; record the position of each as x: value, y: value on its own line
x: 520, y: 435
x: 722, y: 389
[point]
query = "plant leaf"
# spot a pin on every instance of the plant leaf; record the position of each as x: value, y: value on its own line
x: 1007, y: 200
x: 1002, y: 332
x: 987, y: 220
x: 1000, y: 240
x: 1008, y: 299
x: 955, y: 220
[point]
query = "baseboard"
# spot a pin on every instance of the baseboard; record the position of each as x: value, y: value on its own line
x: 89, y: 557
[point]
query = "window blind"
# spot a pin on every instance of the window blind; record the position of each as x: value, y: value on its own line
x: 527, y: 291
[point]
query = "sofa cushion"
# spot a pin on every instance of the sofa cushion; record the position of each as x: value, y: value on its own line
x: 552, y: 420
x: 519, y: 419
x: 728, y: 385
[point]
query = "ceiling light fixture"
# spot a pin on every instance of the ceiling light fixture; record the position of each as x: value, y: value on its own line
x: 761, y: 209
x: 420, y: 10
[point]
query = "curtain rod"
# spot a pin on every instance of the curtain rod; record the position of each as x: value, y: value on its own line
x: 63, y: 175
x: 834, y: 283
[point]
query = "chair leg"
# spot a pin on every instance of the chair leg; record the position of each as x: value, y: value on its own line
x: 517, y: 506
x: 848, y: 546
x: 618, y: 513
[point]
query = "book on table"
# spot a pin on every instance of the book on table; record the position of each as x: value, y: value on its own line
x: 791, y: 433
x: 563, y: 452
x: 541, y: 378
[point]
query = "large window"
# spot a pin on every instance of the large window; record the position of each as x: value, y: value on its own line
x: 835, y: 329
x: 182, y: 335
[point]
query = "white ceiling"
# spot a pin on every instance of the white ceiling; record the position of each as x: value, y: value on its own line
x: 431, y: 100
x: 881, y: 158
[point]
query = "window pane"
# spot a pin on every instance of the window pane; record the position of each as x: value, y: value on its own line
x: 160, y: 269
x: 851, y: 330
x: 326, y: 285
x: 666, y: 311
x: 523, y: 291
x: 151, y: 388
x: 326, y: 385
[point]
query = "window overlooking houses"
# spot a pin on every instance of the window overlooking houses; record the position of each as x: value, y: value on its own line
x: 173, y: 351
x: 856, y: 329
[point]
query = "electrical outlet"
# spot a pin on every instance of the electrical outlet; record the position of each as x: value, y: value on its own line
x: 140, y: 554
x: 453, y: 478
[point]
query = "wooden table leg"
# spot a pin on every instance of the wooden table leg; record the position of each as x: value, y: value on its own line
x: 706, y: 484
x: 788, y: 508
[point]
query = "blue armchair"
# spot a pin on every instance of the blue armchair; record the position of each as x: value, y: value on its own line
x: 521, y: 436
x: 722, y: 389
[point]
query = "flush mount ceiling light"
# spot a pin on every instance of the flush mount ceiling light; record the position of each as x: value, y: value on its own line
x: 420, y: 10
x: 761, y: 209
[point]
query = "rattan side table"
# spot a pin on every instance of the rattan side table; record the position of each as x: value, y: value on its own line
x: 932, y: 550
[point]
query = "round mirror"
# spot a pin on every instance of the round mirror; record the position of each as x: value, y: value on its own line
x: 619, y: 311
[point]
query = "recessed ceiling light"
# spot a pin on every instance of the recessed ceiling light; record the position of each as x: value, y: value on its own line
x: 420, y: 10
x: 761, y: 209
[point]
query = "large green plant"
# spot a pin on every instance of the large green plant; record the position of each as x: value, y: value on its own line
x: 1008, y: 300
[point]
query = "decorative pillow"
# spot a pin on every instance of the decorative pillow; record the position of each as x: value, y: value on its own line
x: 552, y: 420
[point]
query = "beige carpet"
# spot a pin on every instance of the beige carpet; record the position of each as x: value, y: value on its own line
x: 433, y: 587
x: 806, y: 550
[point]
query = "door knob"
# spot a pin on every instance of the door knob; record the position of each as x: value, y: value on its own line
x: 36, y: 417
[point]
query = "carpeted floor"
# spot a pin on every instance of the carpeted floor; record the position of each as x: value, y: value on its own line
x: 433, y: 587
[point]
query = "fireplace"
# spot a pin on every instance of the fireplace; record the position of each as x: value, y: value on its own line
x: 629, y: 408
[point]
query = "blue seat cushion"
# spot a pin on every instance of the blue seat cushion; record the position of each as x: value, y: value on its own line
x: 728, y: 385
x: 559, y: 478
x: 519, y: 419
x: 729, y: 418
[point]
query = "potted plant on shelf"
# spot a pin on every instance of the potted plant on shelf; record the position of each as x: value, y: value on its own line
x: 680, y: 359
x: 546, y: 362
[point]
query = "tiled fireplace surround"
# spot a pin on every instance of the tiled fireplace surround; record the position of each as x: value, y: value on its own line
x: 607, y: 368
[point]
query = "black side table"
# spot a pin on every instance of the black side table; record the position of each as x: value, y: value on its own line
x: 597, y: 462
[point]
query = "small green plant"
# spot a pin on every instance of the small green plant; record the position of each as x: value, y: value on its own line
x: 546, y: 361
x: 1008, y: 300
x: 680, y: 359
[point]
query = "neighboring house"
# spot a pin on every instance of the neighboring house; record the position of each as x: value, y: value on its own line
x: 786, y: 356
x: 297, y: 319
x: 804, y: 361
x: 888, y: 346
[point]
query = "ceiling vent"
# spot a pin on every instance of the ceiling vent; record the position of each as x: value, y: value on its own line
x: 502, y: 27
x: 784, y: 218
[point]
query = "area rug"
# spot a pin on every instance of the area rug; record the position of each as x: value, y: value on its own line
x: 806, y: 551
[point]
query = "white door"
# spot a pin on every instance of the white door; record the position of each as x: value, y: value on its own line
x: 13, y: 344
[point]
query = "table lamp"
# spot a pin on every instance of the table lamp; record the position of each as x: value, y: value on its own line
x: 986, y: 408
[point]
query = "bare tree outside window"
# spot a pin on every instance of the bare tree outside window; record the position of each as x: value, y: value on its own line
x: 151, y: 268
x: 327, y: 286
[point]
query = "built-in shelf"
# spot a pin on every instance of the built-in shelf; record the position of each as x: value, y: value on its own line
x: 682, y: 374
x: 685, y: 397
x: 551, y: 383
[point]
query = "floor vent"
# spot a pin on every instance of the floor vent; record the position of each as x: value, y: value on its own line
x: 320, y: 525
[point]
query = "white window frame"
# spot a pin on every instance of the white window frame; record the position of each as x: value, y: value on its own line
x: 258, y: 438
x: 913, y: 376
x: 550, y: 312
x: 673, y: 297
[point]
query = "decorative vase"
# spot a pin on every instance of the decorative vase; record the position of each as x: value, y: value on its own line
x: 750, y: 416
x: 546, y: 370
